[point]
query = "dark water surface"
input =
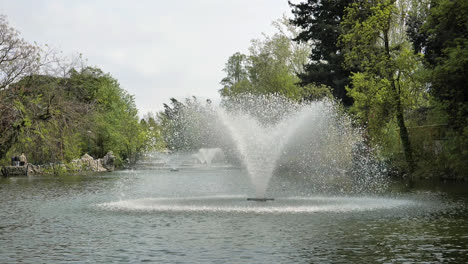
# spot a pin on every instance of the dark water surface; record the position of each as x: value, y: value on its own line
x: 202, y: 216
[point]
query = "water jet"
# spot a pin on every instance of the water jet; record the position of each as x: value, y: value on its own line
x: 311, y: 143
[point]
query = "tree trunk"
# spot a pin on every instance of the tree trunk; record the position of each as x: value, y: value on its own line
x: 404, y: 137
x: 404, y: 134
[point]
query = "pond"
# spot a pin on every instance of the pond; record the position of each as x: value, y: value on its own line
x: 201, y: 215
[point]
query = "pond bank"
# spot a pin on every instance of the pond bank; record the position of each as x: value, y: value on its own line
x: 85, y: 164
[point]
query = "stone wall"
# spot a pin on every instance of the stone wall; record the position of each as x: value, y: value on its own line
x: 14, y: 171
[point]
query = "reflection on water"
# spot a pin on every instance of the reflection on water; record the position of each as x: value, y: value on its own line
x: 202, y: 215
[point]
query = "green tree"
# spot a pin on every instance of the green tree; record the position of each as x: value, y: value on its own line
x: 55, y: 112
x: 116, y: 123
x: 376, y: 45
x: 270, y: 68
x: 87, y: 111
x: 235, y: 69
x: 446, y: 51
x: 17, y: 60
x: 154, y: 140
x: 52, y: 119
x: 440, y: 30
x: 189, y: 125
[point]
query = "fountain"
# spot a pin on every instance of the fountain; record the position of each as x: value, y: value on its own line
x: 288, y: 157
x: 260, y: 145
x: 206, y: 155
x: 270, y: 133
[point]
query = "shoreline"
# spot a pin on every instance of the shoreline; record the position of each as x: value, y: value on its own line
x: 85, y: 164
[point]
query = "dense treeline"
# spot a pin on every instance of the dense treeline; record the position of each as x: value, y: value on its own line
x: 399, y: 66
x: 56, y: 112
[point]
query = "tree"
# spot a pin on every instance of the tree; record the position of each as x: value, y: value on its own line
x: 65, y: 117
x: 17, y: 60
x: 115, y: 123
x: 417, y: 15
x: 56, y: 112
x: 235, y: 70
x: 445, y: 45
x: 439, y: 29
x: 24, y: 73
x: 153, y: 132
x: 189, y: 125
x: 50, y: 119
x: 300, y: 51
x: 377, y: 46
x: 320, y: 24
x: 17, y: 57
x: 270, y: 68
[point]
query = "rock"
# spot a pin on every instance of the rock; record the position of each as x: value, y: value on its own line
x: 34, y: 169
x: 88, y: 163
x: 108, y: 161
x: 28, y: 170
x: 14, y: 171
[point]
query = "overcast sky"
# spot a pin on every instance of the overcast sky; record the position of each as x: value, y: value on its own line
x: 155, y: 49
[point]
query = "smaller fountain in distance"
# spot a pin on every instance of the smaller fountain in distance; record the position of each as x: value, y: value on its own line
x: 206, y: 155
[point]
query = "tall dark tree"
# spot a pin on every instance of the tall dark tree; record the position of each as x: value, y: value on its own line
x: 417, y: 15
x: 320, y: 21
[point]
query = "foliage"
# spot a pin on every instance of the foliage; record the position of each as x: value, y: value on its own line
x: 386, y: 85
x: 17, y: 59
x: 117, y: 127
x: 154, y: 140
x: 313, y: 92
x: 417, y: 14
x: 270, y: 68
x: 236, y: 70
x: 446, y: 51
x: 443, y: 37
x: 46, y: 118
x: 55, y: 112
x: 84, y: 112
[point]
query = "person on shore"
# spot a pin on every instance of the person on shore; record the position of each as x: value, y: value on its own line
x: 15, y: 161
x: 22, y: 160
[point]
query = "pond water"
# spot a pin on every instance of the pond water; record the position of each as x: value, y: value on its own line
x: 202, y: 216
